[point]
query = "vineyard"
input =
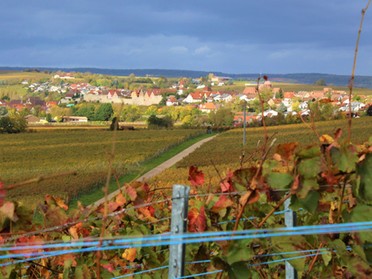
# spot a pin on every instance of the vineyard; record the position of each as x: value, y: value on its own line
x: 234, y: 228
x: 82, y: 155
x: 225, y: 151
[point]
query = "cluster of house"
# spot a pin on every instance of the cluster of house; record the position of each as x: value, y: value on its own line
x: 203, y: 97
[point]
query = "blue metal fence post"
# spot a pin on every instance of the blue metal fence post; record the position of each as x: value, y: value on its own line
x: 290, y: 221
x: 180, y: 200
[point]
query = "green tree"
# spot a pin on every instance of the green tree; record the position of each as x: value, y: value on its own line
x: 87, y: 110
x: 130, y: 113
x: 155, y: 122
x: 320, y: 82
x: 12, y: 122
x: 222, y: 118
x: 104, y: 112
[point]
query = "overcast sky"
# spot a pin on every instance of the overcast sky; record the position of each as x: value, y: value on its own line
x: 234, y: 36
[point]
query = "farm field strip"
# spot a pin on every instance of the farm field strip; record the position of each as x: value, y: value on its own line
x: 86, y: 152
x: 224, y: 151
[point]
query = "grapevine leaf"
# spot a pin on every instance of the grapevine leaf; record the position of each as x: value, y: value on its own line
x: 306, y: 187
x: 239, y: 251
x: 310, y: 202
x: 364, y: 190
x: 286, y: 150
x: 279, y: 180
x: 249, y: 197
x: 309, y: 168
x: 339, y: 246
x: 222, y: 203
x: 327, y: 257
x: 310, y: 152
x: 129, y: 254
x: 226, y: 184
x: 357, y: 249
x: 289, y: 244
x: 131, y: 192
x: 345, y: 158
x: 362, y: 213
x: 196, y: 177
x: 197, y: 220
x: 120, y: 199
x: 242, y: 177
x: 238, y: 270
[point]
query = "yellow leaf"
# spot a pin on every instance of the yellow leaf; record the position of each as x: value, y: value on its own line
x: 120, y: 199
x: 129, y: 254
x: 326, y: 139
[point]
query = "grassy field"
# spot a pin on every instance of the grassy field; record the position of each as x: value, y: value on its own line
x: 86, y: 152
x: 223, y: 152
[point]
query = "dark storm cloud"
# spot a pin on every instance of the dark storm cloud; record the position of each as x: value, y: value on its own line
x: 231, y: 36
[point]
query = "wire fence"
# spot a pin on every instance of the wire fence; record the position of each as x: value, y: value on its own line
x: 30, y: 252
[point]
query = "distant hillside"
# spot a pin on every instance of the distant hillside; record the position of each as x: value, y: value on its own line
x: 305, y: 78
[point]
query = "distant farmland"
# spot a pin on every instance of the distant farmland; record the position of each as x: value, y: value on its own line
x: 224, y: 151
x: 86, y: 152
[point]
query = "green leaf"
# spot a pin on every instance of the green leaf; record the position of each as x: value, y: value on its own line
x: 268, y: 166
x: 310, y: 202
x: 306, y: 187
x: 241, y: 178
x: 357, y: 249
x: 327, y: 257
x: 239, y: 251
x: 339, y: 246
x: 309, y: 152
x: 79, y: 273
x: 362, y: 213
x: 238, y: 270
x: 309, y: 168
x: 279, y: 180
x: 345, y: 158
x: 364, y: 187
x: 66, y: 268
x: 286, y: 244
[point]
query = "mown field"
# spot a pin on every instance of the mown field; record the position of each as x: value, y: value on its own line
x: 86, y: 152
x: 224, y: 151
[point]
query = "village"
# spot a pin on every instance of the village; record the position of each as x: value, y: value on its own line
x: 203, y: 96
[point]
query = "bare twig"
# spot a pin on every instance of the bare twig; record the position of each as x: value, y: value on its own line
x: 274, y: 209
x: 266, y: 138
x: 312, y: 127
x: 351, y: 83
x: 314, y: 259
x: 251, y: 186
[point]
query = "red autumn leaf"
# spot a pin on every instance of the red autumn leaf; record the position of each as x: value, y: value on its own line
x: 147, y: 212
x: 109, y: 267
x: 197, y: 220
x: 60, y: 260
x: 196, y: 177
x: 28, y: 242
x: 227, y: 184
x: 120, y: 199
x: 132, y: 193
x: 222, y: 203
x: 286, y: 150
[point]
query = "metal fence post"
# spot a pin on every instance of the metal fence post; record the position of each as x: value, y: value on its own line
x: 180, y: 200
x: 290, y: 221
